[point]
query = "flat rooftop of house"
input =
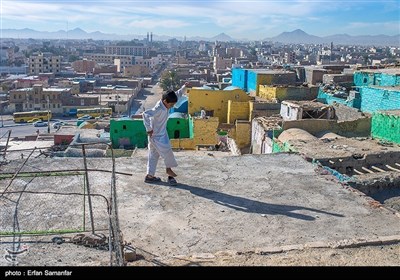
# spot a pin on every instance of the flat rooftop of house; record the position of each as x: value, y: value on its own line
x: 395, y: 88
x: 269, y: 122
x: 392, y: 71
x: 307, y: 105
x: 222, y: 204
x: 391, y: 112
x: 271, y: 71
x: 340, y: 147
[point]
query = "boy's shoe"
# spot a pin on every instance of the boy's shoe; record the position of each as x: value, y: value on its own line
x: 148, y: 179
x: 172, y: 181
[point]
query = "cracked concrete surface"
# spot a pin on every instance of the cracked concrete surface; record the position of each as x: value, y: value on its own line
x: 243, y: 203
x: 233, y: 204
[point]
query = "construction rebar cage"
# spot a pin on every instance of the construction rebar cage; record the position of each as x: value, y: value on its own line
x: 59, y: 201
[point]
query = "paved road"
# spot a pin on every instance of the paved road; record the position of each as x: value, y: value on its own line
x: 18, y: 130
x: 146, y: 99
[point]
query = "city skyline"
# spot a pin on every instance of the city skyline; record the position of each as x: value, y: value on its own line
x: 239, y: 19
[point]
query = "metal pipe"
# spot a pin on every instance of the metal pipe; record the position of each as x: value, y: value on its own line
x: 88, y: 188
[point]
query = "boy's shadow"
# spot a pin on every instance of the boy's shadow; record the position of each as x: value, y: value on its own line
x: 250, y: 205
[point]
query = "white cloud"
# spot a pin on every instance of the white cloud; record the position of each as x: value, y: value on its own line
x: 234, y: 17
x: 388, y: 25
x: 153, y: 23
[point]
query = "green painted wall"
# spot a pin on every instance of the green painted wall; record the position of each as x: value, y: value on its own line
x: 386, y: 126
x: 178, y: 128
x: 128, y: 133
x: 132, y: 133
x: 278, y: 147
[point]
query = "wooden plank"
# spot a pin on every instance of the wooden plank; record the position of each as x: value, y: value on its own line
x: 366, y: 169
x: 377, y: 168
x: 392, y: 168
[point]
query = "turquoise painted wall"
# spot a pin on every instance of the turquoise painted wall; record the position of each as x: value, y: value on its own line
x: 378, y: 79
x: 239, y: 78
x: 389, y: 80
x: 329, y: 99
x: 364, y: 79
x: 252, y: 81
x: 374, y: 99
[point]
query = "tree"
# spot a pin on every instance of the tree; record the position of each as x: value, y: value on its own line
x: 169, y: 80
x: 72, y: 58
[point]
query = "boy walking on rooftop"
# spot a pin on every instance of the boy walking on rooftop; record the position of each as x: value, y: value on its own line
x: 155, y: 122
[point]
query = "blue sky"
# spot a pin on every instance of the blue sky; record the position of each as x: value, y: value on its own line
x: 248, y: 19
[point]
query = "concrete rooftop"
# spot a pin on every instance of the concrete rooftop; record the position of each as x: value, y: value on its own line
x: 243, y: 203
x: 225, y: 203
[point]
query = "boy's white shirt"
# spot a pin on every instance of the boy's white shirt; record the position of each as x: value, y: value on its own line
x: 155, y: 119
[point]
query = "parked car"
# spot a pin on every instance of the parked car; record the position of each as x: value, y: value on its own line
x: 57, y: 125
x: 39, y: 123
x: 85, y: 117
x: 34, y: 120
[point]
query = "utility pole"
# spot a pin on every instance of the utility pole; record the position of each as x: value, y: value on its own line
x: 170, y: 76
x: 118, y: 105
x: 48, y: 114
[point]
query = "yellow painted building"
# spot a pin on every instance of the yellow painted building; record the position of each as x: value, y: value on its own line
x: 214, y: 102
x: 222, y: 106
x: 243, y: 133
x: 204, y: 133
x: 238, y: 111
x: 287, y: 92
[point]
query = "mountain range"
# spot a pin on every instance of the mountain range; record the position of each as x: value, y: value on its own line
x: 296, y: 36
x: 300, y: 37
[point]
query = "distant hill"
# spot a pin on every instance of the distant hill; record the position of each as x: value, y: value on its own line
x: 296, y: 36
x: 78, y: 33
x: 301, y: 37
x: 222, y: 37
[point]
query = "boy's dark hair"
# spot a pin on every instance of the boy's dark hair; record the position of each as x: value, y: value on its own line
x: 170, y: 96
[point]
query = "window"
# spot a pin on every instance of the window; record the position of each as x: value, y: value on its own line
x: 288, y: 111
